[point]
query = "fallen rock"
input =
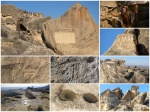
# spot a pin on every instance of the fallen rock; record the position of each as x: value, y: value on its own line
x: 29, y: 95
x: 115, y: 71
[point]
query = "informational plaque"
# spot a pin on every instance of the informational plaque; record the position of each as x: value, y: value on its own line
x: 64, y: 36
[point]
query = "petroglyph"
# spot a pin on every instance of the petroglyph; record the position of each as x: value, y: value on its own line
x: 25, y: 70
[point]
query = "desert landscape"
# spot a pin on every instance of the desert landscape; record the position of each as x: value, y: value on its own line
x: 75, y: 69
x: 115, y: 71
x: 25, y: 69
x: 25, y: 98
x: 75, y: 97
x: 132, y: 100
x: 30, y: 33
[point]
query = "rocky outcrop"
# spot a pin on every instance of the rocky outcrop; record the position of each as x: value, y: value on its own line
x: 68, y: 97
x: 131, y: 42
x: 140, y: 20
x: 25, y: 70
x: 29, y: 95
x: 111, y: 100
x: 73, y: 33
x: 115, y: 71
x: 74, y: 69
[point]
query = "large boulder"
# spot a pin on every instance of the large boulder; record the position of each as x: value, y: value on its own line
x: 139, y: 99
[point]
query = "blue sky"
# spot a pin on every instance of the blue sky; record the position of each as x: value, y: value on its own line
x: 124, y: 87
x: 137, y: 60
x: 107, y: 38
x: 55, y: 8
x: 22, y: 85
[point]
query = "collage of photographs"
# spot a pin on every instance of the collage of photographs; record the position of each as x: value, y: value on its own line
x: 75, y: 56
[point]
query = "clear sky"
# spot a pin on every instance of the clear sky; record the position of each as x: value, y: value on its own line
x: 55, y: 8
x: 130, y: 60
x: 124, y: 87
x: 22, y: 85
x: 107, y: 38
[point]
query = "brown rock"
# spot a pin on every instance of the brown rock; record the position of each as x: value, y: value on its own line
x: 131, y: 42
x: 25, y: 70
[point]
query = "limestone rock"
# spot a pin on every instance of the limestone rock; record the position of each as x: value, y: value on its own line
x: 132, y: 100
x: 108, y: 21
x: 115, y: 71
x: 25, y: 70
x: 109, y: 100
x: 139, y: 107
x: 29, y: 95
x: 74, y: 69
x: 77, y: 97
x: 73, y: 33
x: 10, y: 21
x: 135, y: 42
x: 9, y: 10
x: 124, y: 108
x: 139, y: 99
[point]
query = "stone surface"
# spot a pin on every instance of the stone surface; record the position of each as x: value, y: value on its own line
x: 108, y: 100
x: 107, y: 20
x: 24, y: 70
x: 131, y: 42
x: 41, y: 32
x: 115, y: 71
x: 132, y: 100
x: 74, y: 69
x: 84, y: 100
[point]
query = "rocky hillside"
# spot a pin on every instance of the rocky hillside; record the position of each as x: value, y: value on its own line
x: 28, y: 33
x: 23, y: 100
x: 74, y: 69
x: 115, y: 71
x: 132, y: 100
x: 131, y: 42
x: 44, y: 89
x: 108, y: 21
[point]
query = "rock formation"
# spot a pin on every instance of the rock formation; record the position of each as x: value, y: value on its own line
x: 116, y: 101
x: 28, y: 33
x: 25, y: 70
x: 108, y: 21
x: 115, y: 71
x: 131, y: 42
x: 74, y: 97
x: 74, y: 69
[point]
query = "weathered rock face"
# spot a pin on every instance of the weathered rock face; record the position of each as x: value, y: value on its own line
x: 68, y: 97
x: 115, y: 71
x: 107, y: 20
x: 132, y: 42
x: 111, y: 101
x: 73, y: 33
x: 75, y: 69
x: 25, y: 70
